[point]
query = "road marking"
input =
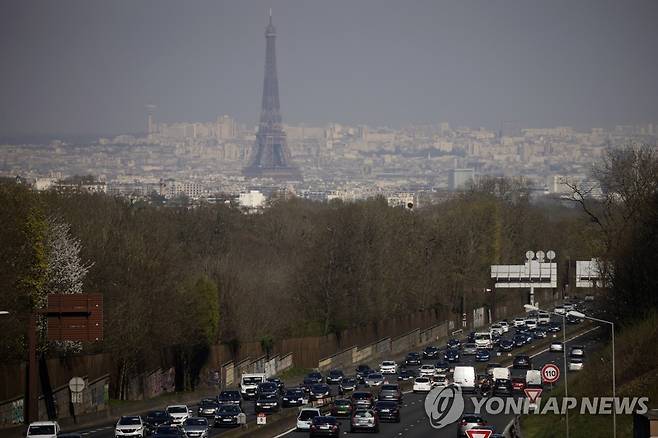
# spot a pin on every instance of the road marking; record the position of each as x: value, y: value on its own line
x: 286, y: 432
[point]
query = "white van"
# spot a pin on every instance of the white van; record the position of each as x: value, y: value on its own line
x: 500, y: 373
x: 483, y: 340
x: 43, y: 429
x: 249, y: 383
x: 533, y: 377
x: 464, y: 377
x: 544, y: 318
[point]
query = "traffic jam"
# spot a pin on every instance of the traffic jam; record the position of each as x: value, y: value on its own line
x: 486, y: 363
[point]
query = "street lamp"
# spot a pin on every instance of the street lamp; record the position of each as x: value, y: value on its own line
x: 614, y: 383
x: 529, y: 308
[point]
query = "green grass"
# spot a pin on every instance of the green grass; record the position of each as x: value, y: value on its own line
x: 637, y: 376
x: 293, y: 373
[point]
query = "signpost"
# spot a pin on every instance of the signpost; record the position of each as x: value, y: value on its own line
x: 532, y: 393
x: 76, y: 385
x: 550, y: 373
x: 70, y: 317
x: 261, y: 418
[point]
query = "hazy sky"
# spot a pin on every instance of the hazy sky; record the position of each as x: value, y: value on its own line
x: 90, y: 66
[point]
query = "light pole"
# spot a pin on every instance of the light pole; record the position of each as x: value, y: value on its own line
x: 614, y: 383
x: 528, y: 308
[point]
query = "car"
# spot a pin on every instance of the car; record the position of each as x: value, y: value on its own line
x: 294, y: 397
x: 43, y: 429
x: 335, y: 377
x: 528, y: 337
x: 227, y: 415
x: 440, y: 380
x: 207, y: 408
x: 305, y: 418
x: 413, y: 358
x: 267, y: 390
x: 130, y: 426
x: 468, y: 422
x: 430, y: 352
x: 388, y: 367
x: 483, y: 340
x: 387, y: 411
x: 502, y: 387
x: 405, y: 375
x: 522, y: 361
x: 168, y: 431
x: 427, y: 370
x: 505, y: 325
x: 553, y: 327
x: 506, y: 345
x: 531, y: 323
x: 154, y: 419
x: 422, y: 384
x: 341, y: 407
x: 538, y: 333
x: 390, y: 392
x: 451, y: 355
x: 495, y: 338
x: 519, y: 340
x: 348, y: 384
x: 362, y: 399
x: 560, y: 310
x: 469, y: 349
x: 519, y: 322
x: 441, y: 368
x: 278, y: 382
x: 179, y: 413
x: 518, y: 383
x: 365, y: 419
x: 320, y: 391
x: 196, y: 427
x: 454, y: 343
x: 229, y: 397
x: 306, y: 385
x: 556, y: 347
x: 482, y: 355
x: 267, y: 404
x: 315, y: 376
x: 362, y: 372
x: 575, y: 364
x: 471, y: 337
x: 374, y: 379
x: 577, y: 351
x: 324, y: 426
x: 497, y: 328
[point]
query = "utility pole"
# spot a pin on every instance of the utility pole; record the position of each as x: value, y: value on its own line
x: 32, y: 405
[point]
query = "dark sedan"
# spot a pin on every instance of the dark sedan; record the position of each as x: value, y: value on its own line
x: 335, y: 377
x: 315, y: 376
x: 388, y: 411
x: 451, y: 355
x: 431, y: 352
x: 454, y: 343
x: 207, y: 408
x: 362, y: 372
x: 482, y: 355
x: 506, y: 345
x: 227, y: 415
x: 405, y: 375
x: 502, y: 387
x: 293, y: 397
x: 413, y: 359
x: 167, y: 431
x: 522, y: 362
x: 156, y: 418
x: 348, y: 384
x: 266, y: 405
x: 325, y: 426
x: 320, y: 391
x: 229, y: 397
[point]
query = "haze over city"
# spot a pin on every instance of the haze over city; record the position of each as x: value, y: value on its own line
x: 90, y: 67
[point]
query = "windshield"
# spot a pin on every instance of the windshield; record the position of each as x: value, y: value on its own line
x: 307, y: 415
x: 342, y: 402
x: 388, y: 363
x: 252, y: 380
x: 157, y: 414
x: 229, y: 395
x: 268, y: 387
x: 126, y: 421
x: 361, y: 395
x: 196, y: 422
x: 177, y: 410
x: 42, y: 430
x: 481, y: 336
x: 294, y: 393
x: 375, y: 376
x: 229, y: 409
x: 422, y: 380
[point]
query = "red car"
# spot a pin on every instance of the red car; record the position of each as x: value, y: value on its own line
x: 518, y: 384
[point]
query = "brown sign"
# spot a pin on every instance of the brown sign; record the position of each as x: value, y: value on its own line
x: 75, y: 317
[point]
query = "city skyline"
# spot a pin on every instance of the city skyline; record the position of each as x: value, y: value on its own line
x: 92, y: 67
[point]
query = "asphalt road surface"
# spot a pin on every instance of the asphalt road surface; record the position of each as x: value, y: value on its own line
x: 414, y: 421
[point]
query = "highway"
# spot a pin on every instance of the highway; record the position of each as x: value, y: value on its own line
x: 414, y: 421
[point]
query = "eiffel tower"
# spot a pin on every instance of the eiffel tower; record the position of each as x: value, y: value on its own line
x: 270, y: 156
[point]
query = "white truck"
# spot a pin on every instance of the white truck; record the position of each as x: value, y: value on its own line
x: 464, y: 377
x: 249, y: 384
x: 500, y: 373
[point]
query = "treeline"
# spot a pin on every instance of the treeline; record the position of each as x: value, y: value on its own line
x: 176, y: 280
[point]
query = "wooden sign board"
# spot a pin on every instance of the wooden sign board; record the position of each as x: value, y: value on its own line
x: 75, y: 317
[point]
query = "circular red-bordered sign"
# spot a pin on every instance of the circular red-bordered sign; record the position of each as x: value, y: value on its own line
x: 550, y: 373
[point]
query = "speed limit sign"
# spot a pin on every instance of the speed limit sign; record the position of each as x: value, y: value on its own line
x: 550, y: 373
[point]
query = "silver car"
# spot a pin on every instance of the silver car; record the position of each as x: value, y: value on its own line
x: 196, y: 427
x: 374, y: 379
x: 469, y: 349
x: 468, y: 422
x: 556, y: 347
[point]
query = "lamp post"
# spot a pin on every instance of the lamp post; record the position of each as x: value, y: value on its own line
x: 530, y: 307
x: 614, y: 382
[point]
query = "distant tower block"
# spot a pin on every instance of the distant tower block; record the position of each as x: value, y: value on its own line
x: 271, y: 157
x: 151, y: 128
